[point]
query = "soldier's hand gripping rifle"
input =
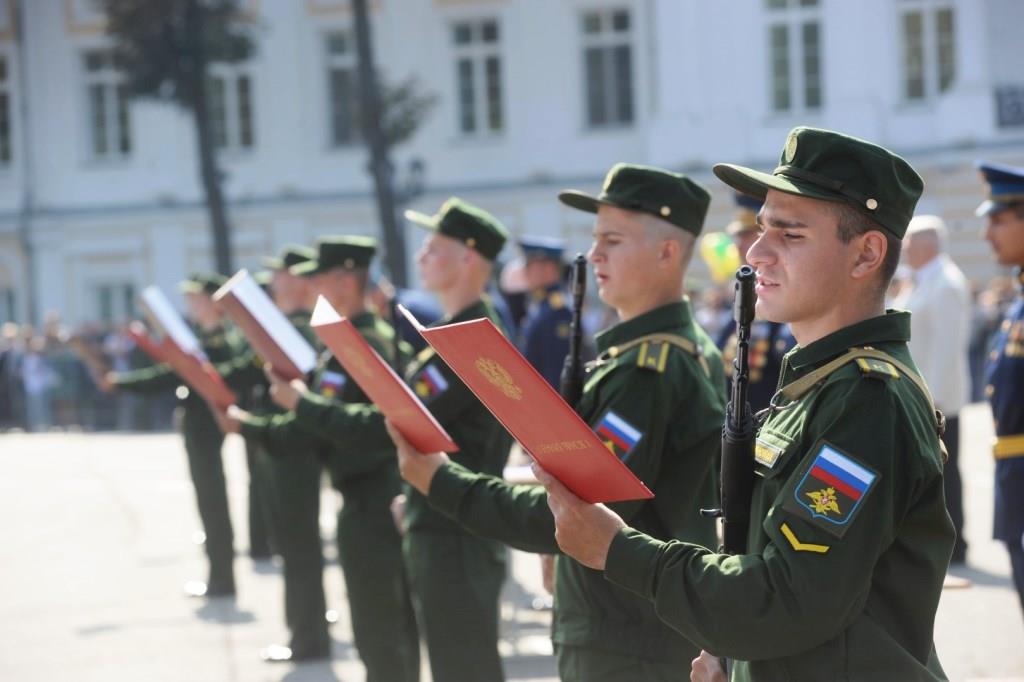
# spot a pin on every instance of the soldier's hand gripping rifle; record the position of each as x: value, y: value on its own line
x: 738, y: 432
x: 572, y: 370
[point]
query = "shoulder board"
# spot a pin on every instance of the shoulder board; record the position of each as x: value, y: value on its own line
x: 877, y: 369
x: 653, y: 355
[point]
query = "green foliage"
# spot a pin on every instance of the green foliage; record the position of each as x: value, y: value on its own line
x: 166, y: 45
x: 403, y: 108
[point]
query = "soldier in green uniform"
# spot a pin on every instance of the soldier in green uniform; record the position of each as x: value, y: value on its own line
x: 655, y: 395
x: 849, y: 538
x: 293, y: 474
x: 203, y: 439
x: 369, y: 546
x: 456, y: 577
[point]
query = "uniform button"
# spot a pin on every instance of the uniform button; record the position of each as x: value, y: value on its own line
x: 993, y: 355
x: 989, y: 390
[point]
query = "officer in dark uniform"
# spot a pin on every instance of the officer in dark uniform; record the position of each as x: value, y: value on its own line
x: 769, y: 341
x: 203, y: 438
x: 1004, y: 375
x: 849, y: 538
x: 544, y: 334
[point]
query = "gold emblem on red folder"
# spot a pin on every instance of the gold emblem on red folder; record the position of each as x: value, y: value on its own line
x: 499, y: 377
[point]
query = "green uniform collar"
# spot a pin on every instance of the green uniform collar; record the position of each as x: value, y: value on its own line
x: 473, y: 311
x: 893, y: 326
x: 670, y: 316
x: 364, y: 320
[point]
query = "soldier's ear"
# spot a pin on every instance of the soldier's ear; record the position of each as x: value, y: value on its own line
x: 869, y: 253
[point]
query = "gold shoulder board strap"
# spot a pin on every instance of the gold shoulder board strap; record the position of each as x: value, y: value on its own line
x: 685, y: 344
x: 796, y: 389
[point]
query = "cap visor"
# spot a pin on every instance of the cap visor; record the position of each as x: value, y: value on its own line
x: 273, y: 263
x: 988, y: 207
x: 307, y: 269
x: 422, y: 219
x: 579, y: 200
x: 756, y: 184
x: 190, y: 287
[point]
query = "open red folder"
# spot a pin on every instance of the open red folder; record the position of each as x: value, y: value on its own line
x: 138, y: 333
x: 275, y: 338
x: 533, y: 412
x: 379, y: 381
x: 181, y: 350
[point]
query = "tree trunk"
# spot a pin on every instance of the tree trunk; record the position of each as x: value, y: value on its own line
x: 208, y: 172
x: 380, y: 166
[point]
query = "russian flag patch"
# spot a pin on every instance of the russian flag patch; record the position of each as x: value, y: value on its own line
x: 331, y: 383
x: 430, y: 382
x: 832, y: 490
x: 619, y: 435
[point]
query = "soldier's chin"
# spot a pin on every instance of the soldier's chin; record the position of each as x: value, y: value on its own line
x: 762, y: 311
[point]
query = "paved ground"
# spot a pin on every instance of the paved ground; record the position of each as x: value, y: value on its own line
x: 96, y: 544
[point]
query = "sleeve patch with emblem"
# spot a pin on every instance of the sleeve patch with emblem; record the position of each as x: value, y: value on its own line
x: 832, y: 490
x: 331, y: 383
x: 619, y: 435
x: 430, y: 382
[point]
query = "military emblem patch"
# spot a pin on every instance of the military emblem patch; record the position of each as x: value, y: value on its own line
x: 832, y: 490
x: 619, y: 435
x: 430, y: 383
x: 331, y: 383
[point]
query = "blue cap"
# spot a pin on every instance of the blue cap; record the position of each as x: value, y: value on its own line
x: 549, y: 248
x: 1005, y: 187
x: 745, y: 219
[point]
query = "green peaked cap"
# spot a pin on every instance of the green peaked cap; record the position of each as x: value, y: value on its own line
x: 469, y: 224
x: 203, y: 283
x: 673, y: 197
x: 823, y: 164
x: 349, y: 253
x: 292, y: 254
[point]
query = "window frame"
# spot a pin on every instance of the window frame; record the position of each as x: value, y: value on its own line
x: 232, y: 75
x: 349, y: 61
x: 478, y: 53
x: 932, y: 67
x: 794, y: 16
x: 608, y: 40
x: 112, y: 85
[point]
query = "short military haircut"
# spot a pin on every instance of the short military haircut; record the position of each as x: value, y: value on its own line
x: 851, y: 223
x: 657, y: 229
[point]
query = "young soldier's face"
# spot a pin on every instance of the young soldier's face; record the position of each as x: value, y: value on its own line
x: 438, y: 260
x: 1005, y: 233
x: 623, y: 256
x: 801, y: 263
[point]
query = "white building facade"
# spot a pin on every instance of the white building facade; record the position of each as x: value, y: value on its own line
x: 99, y: 195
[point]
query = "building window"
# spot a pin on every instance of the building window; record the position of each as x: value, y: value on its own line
x: 5, y: 113
x: 115, y: 303
x: 107, y: 104
x: 608, y: 67
x: 342, y: 89
x: 929, y: 49
x: 229, y: 98
x: 478, y: 76
x: 794, y: 55
x: 7, y: 305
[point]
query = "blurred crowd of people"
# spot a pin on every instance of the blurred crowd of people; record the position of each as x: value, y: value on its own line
x: 48, y: 375
x: 48, y: 380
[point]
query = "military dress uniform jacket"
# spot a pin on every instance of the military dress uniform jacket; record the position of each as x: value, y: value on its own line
x: 285, y: 433
x: 849, y: 540
x: 545, y: 332
x: 359, y: 429
x: 660, y: 409
x: 1005, y: 388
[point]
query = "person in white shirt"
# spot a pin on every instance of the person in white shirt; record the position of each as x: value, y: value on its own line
x: 940, y: 305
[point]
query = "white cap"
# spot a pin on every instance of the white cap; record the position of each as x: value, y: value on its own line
x: 927, y: 223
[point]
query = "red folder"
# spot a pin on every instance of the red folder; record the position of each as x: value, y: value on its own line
x: 137, y: 332
x: 379, y: 382
x: 181, y: 350
x: 266, y: 328
x: 533, y: 412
